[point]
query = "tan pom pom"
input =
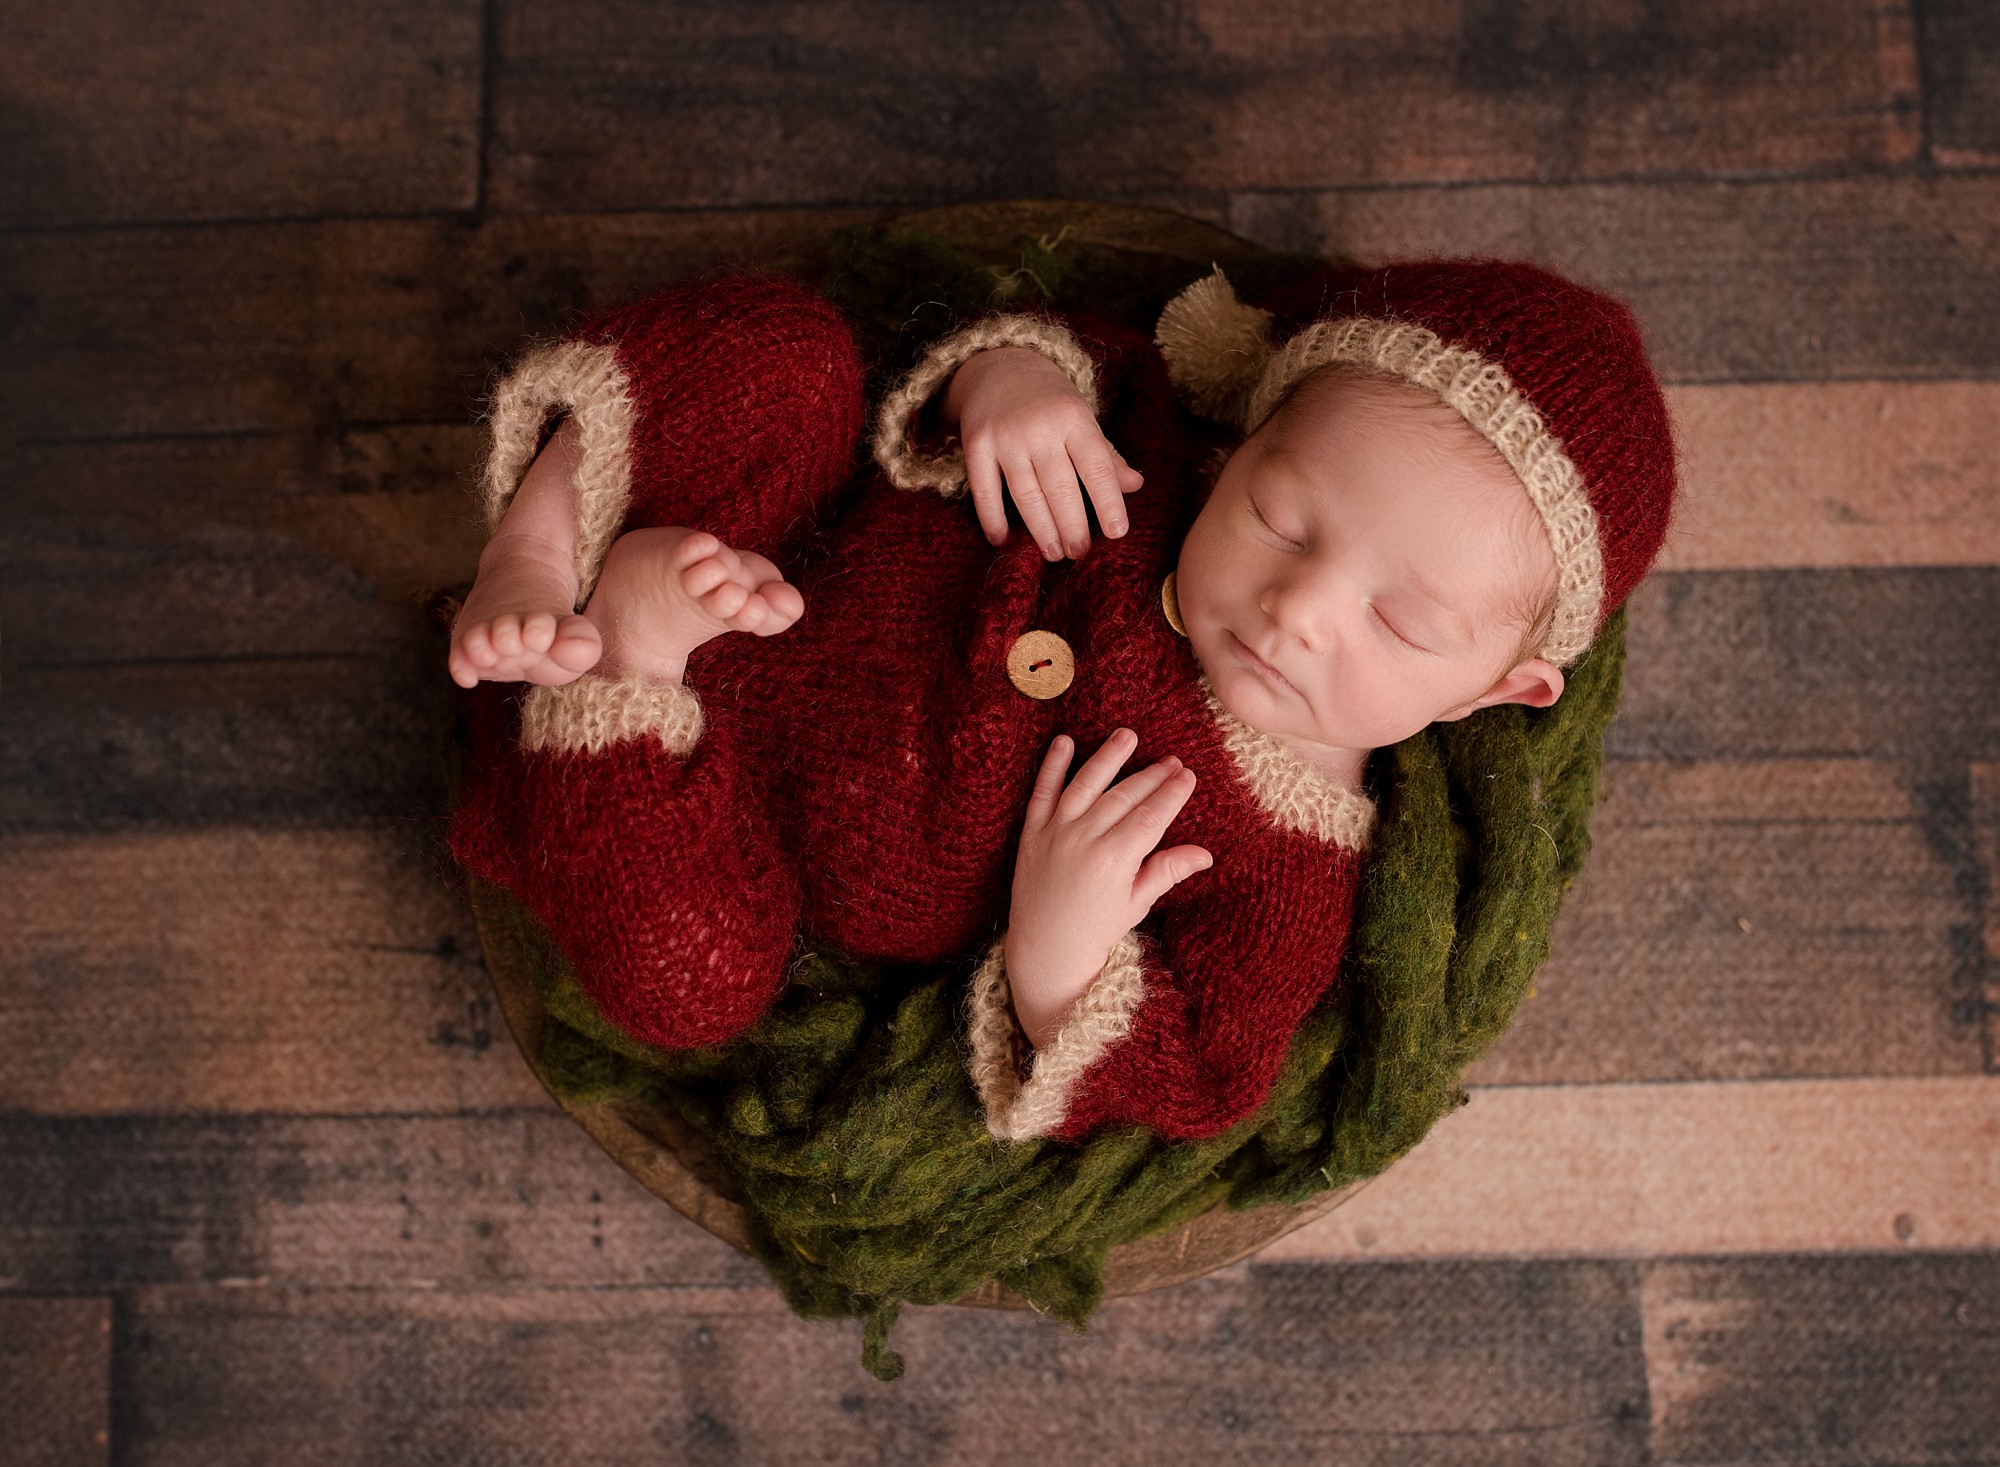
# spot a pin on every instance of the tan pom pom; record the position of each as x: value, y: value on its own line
x: 1215, y: 347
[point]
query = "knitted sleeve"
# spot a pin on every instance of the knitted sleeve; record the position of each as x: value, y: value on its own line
x: 1101, y: 358
x: 1185, y: 1029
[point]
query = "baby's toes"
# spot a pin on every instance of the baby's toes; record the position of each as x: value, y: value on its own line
x: 725, y: 600
x: 577, y: 646
x: 476, y: 646
x: 705, y: 575
x: 506, y: 635
x: 785, y: 603
x: 538, y: 632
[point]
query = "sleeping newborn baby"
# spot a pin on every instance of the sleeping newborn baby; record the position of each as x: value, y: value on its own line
x: 806, y: 703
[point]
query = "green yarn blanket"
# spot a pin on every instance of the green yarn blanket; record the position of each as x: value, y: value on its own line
x: 846, y: 1116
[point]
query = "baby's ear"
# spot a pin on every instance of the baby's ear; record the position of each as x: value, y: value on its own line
x: 1535, y: 683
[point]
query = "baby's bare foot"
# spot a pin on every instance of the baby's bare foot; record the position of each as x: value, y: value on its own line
x: 519, y: 623
x: 666, y: 591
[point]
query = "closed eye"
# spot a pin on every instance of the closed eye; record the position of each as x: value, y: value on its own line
x: 1291, y: 543
x: 1414, y: 647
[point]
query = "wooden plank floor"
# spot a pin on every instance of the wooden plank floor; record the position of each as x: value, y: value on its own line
x: 274, y: 1187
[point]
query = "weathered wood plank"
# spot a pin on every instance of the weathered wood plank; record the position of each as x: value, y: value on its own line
x: 338, y: 739
x: 245, y: 109
x: 1985, y: 783
x: 1817, y: 1360
x: 55, y: 1377
x: 1489, y: 1365
x: 1959, y: 42
x: 244, y: 970
x: 1837, y: 474
x: 312, y: 328
x: 1733, y: 280
x: 504, y: 1197
x: 523, y: 1197
x: 615, y: 104
x: 1755, y: 920
x: 316, y: 327
x: 1799, y: 1166
x: 269, y: 545
x: 1895, y: 664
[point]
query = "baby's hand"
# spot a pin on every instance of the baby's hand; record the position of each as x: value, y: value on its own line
x: 1084, y: 878
x: 1019, y: 417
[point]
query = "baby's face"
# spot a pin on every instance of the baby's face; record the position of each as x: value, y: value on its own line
x: 1378, y: 557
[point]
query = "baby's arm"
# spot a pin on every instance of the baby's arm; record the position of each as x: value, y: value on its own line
x: 1184, y: 1033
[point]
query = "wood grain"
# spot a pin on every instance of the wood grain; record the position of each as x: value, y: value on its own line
x: 318, y: 327
x: 1723, y: 1168
x: 501, y: 1198
x: 240, y: 109
x: 204, y: 742
x: 1750, y: 920
x: 615, y: 104
x: 1985, y: 812
x: 244, y: 970
x: 1893, y: 664
x: 1733, y: 280
x: 1959, y: 42
x: 1837, y: 474
x: 312, y: 329
x: 1810, y: 1361
x: 1500, y: 1363
x: 55, y: 1381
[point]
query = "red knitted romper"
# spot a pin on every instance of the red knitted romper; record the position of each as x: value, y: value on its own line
x: 859, y: 781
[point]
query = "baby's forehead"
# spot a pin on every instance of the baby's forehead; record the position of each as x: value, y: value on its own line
x: 1475, y: 513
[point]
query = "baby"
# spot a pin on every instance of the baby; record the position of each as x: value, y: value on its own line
x: 1450, y: 473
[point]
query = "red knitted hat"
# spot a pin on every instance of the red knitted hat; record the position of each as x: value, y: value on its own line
x: 1553, y: 374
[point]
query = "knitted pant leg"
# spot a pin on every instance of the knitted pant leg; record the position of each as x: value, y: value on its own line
x: 750, y: 406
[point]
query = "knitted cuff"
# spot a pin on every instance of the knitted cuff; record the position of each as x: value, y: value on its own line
x: 1294, y: 794
x: 1018, y: 1107
x: 593, y: 713
x: 586, y: 382
x: 910, y: 468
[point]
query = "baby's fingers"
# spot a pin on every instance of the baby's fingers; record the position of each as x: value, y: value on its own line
x: 1097, y: 773
x: 1049, y: 780
x: 1148, y: 820
x: 1033, y: 504
x: 1098, y: 467
x: 1164, y: 870
x: 982, y: 473
x: 1057, y: 476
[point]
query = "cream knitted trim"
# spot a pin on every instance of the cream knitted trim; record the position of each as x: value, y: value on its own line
x: 1020, y: 1110
x: 1291, y: 791
x: 593, y: 713
x: 1486, y: 398
x: 587, y: 381
x: 909, y: 469
x: 1215, y: 346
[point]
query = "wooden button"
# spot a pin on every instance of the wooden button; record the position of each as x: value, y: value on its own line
x: 1170, y: 603
x: 1040, y: 664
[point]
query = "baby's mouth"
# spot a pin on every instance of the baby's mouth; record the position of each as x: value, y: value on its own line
x: 1260, y: 664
